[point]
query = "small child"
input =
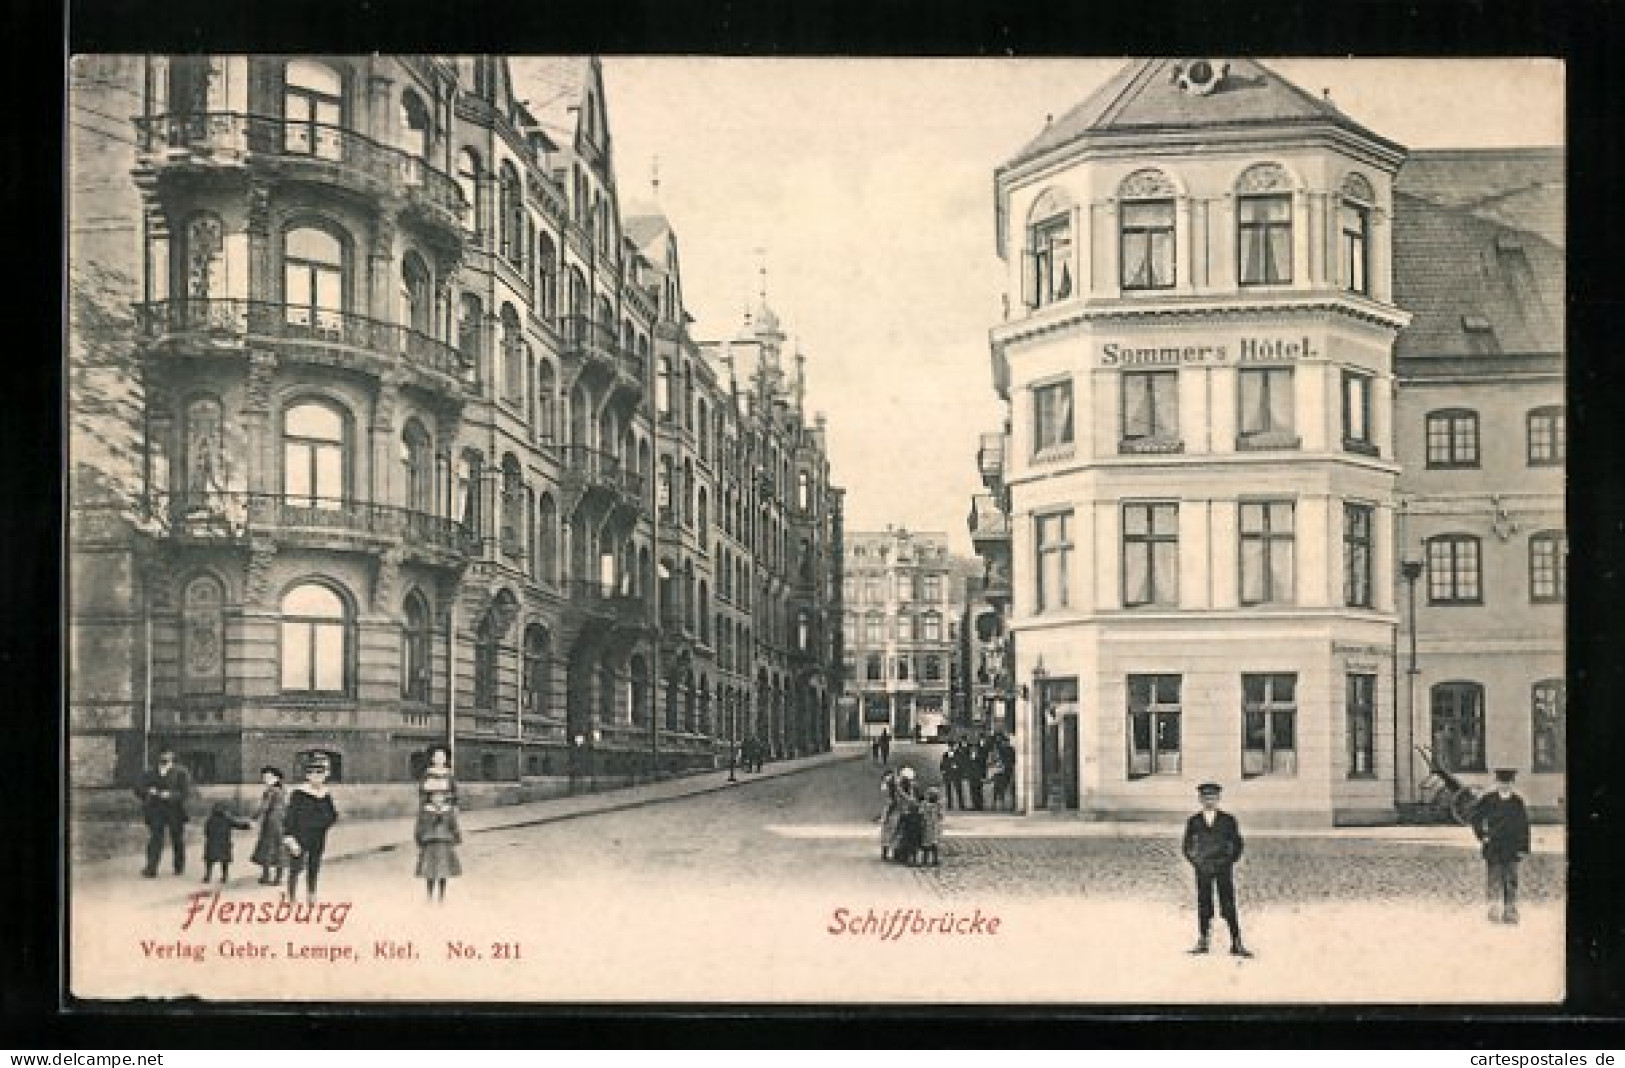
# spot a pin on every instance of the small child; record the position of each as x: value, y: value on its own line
x: 931, y: 834
x: 438, y: 836
x: 217, y: 840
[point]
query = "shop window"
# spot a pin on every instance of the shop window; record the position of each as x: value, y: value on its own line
x: 1452, y: 438
x: 1548, y: 566
x: 1357, y: 555
x: 1269, y: 732
x: 1548, y: 437
x: 1458, y: 725
x: 1453, y: 570
x: 1549, y: 712
x: 1150, y: 555
x: 1267, y: 552
x: 1153, y: 725
x: 1361, y: 710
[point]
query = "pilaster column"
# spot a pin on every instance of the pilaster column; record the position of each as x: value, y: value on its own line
x: 1184, y: 242
x: 262, y: 467
x: 1302, y: 263
x: 383, y: 437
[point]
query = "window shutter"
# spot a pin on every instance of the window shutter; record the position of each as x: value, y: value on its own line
x: 1029, y: 278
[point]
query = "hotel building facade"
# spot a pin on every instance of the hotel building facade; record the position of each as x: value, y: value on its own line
x: 1243, y: 438
x: 391, y: 428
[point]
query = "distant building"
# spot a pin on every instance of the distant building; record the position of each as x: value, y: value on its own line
x: 1268, y: 379
x: 903, y: 604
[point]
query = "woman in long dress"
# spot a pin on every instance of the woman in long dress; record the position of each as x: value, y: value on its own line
x: 268, y: 846
x: 890, y: 815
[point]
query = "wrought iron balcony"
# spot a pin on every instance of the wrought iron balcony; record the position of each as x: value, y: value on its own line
x: 239, y: 516
x: 988, y: 522
x: 990, y: 461
x: 317, y: 149
x: 193, y: 324
x: 603, y: 599
x: 596, y: 469
x: 591, y: 341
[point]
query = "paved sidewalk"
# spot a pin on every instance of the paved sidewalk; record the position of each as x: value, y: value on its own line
x: 120, y: 875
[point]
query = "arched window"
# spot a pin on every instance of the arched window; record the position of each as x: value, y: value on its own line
x: 203, y: 636
x: 468, y: 179
x: 547, y: 403
x: 1458, y: 725
x: 688, y: 492
x: 313, y: 280
x: 417, y: 129
x: 538, y: 671
x: 315, y: 456
x: 205, y: 457
x: 639, y: 672
x: 417, y: 461
x: 702, y: 527
x: 417, y: 294
x: 804, y: 491
x: 704, y: 431
x: 1146, y: 230
x: 512, y: 503
x: 509, y: 211
x: 1264, y: 225
x: 470, y: 321
x: 416, y: 665
x: 1357, y: 201
x: 312, y: 110
x: 1047, y: 262
x: 315, y: 631
x: 663, y: 388
x: 485, y: 664
x: 513, y: 360
x: 705, y: 614
x: 547, y: 278
x: 470, y: 471
x: 547, y: 523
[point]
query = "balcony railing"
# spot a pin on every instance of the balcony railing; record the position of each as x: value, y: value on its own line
x: 604, y: 599
x: 987, y: 520
x: 990, y: 458
x: 238, y: 515
x: 219, y: 134
x: 235, y: 319
x: 584, y: 337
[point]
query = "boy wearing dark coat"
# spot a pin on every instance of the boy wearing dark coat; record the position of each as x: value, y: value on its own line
x: 217, y: 840
x: 1213, y: 845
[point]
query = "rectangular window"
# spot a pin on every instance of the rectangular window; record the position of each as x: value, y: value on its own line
x: 1051, y: 261
x: 933, y: 628
x: 1150, y: 411
x: 872, y: 672
x: 1054, y: 555
x: 1153, y: 725
x: 1458, y: 725
x: 1264, y: 225
x: 1548, y: 437
x: 849, y: 586
x: 1548, y: 567
x: 1356, y: 223
x: 1452, y: 439
x: 849, y: 631
x: 1357, y: 531
x: 1052, y: 415
x: 871, y: 590
x: 874, y: 630
x: 1150, y: 555
x: 1362, y: 724
x: 933, y: 588
x: 1267, y: 552
x: 901, y: 669
x: 1357, y: 414
x: 1148, y: 245
x: 1549, y: 711
x: 1453, y: 570
x: 1266, y: 408
x: 1269, y: 732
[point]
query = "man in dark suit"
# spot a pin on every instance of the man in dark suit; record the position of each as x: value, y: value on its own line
x: 974, y: 767
x: 1213, y: 845
x: 1501, y: 823
x: 163, y: 792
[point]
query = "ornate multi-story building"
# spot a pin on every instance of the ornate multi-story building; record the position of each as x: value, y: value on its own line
x: 427, y: 450
x: 1245, y: 378
x: 904, y: 604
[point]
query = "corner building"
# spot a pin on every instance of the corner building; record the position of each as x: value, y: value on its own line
x: 428, y: 450
x: 1199, y: 467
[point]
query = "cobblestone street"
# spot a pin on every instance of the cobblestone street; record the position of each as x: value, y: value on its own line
x: 734, y: 895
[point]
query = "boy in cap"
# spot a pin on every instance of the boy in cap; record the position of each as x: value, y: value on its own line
x: 1501, y: 823
x: 1213, y: 845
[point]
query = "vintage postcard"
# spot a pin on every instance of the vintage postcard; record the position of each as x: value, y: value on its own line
x: 567, y: 529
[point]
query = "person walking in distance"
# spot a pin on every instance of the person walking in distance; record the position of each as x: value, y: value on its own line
x: 949, y: 767
x: 164, y: 791
x: 310, y: 814
x: 885, y: 745
x: 974, y: 765
x: 1501, y: 822
x: 1213, y: 845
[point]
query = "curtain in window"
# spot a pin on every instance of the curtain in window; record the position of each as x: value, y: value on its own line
x: 1280, y: 400
x: 1252, y: 570
x: 1138, y: 406
x: 1165, y: 572
x: 1255, y: 412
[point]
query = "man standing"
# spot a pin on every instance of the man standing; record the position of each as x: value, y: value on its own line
x: 1213, y: 846
x: 885, y: 745
x: 163, y: 792
x: 974, y: 768
x: 949, y: 767
x: 1501, y: 823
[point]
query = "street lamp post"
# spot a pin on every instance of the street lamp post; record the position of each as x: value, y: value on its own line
x: 1038, y: 703
x: 1411, y: 571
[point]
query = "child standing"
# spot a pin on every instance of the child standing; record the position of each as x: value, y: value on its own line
x: 931, y: 835
x: 438, y: 836
x: 217, y: 840
x: 273, y: 806
x: 310, y: 813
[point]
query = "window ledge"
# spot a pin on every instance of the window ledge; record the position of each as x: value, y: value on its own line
x: 1364, y: 448
x: 1055, y: 453
x: 1268, y: 441
x: 1149, y: 446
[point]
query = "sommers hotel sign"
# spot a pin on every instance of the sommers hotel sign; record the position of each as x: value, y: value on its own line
x: 1239, y: 350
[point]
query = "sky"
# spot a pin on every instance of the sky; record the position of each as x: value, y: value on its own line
x: 865, y: 187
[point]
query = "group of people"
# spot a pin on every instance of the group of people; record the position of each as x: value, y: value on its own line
x: 975, y: 763
x: 293, y: 824
x: 910, y: 824
x: 750, y: 754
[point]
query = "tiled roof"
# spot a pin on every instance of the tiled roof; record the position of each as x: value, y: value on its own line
x: 1475, y: 262
x: 1146, y: 95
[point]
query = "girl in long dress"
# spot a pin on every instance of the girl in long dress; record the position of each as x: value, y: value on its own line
x: 273, y: 806
x: 438, y: 836
x: 889, y: 815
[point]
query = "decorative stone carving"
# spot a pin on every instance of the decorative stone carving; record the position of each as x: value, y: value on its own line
x: 383, y: 234
x: 386, y: 579
x: 1264, y: 178
x: 261, y: 372
x: 1355, y: 187
x: 257, y: 582
x: 1146, y: 184
x: 259, y: 208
